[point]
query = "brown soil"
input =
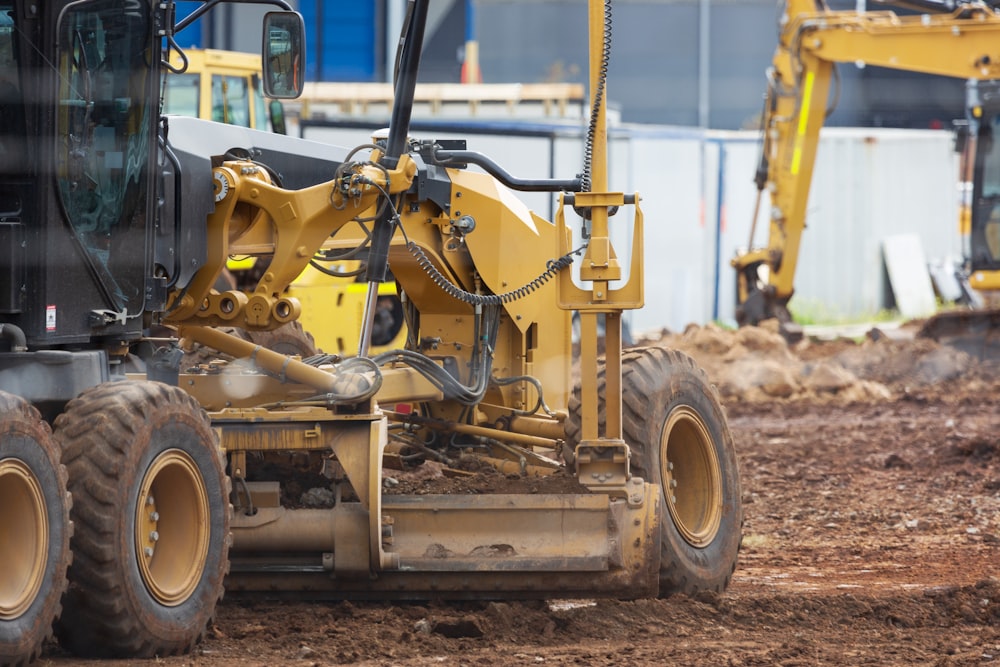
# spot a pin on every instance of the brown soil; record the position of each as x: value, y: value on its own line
x: 871, y: 484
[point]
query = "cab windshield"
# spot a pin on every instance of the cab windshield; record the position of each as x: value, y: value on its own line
x: 11, y: 102
x: 103, y: 134
x: 232, y: 98
x: 989, y: 157
x: 986, y: 231
x: 182, y: 95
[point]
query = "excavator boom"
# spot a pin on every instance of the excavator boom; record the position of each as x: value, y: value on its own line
x: 961, y: 42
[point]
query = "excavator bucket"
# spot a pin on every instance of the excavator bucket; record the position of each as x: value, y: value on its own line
x: 975, y: 332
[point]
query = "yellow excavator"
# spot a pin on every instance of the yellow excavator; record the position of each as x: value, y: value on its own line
x: 960, y: 40
x: 135, y: 491
x: 975, y: 329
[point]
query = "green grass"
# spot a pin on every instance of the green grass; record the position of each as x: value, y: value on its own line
x: 818, y: 313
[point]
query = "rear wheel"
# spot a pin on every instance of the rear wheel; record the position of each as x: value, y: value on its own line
x: 34, y: 531
x: 196, y: 354
x: 152, y: 543
x: 674, y: 424
x: 290, y: 338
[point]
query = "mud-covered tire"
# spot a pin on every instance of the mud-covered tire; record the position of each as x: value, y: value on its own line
x: 676, y: 428
x: 152, y: 517
x: 290, y: 338
x: 196, y: 354
x: 35, y: 531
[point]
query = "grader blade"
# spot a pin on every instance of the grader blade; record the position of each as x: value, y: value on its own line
x: 465, y: 547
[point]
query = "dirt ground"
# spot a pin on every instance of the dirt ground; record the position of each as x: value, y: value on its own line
x: 871, y: 487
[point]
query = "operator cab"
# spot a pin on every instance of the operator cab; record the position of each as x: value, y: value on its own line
x: 984, y: 251
x: 985, y: 244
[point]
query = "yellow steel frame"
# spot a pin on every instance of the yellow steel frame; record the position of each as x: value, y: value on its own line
x: 292, y: 225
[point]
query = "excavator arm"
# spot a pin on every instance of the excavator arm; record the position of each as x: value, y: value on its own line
x: 958, y: 41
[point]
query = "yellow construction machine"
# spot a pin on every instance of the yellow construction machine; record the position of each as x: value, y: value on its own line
x: 225, y: 86
x: 134, y: 491
x: 959, y: 40
x: 975, y: 328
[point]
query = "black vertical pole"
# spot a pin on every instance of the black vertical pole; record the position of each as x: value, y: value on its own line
x: 399, y: 130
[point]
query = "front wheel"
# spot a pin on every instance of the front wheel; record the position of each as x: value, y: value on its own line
x: 35, y: 531
x: 152, y: 515
x: 674, y: 424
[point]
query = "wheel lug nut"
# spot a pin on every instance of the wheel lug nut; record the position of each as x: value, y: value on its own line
x: 155, y: 516
x: 154, y: 536
x: 148, y: 551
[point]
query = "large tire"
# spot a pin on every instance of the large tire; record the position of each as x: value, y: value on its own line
x: 35, y: 531
x: 196, y: 354
x: 152, y: 521
x: 675, y: 426
x: 290, y: 338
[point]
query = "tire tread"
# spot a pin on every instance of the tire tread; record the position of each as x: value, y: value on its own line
x: 95, y: 431
x: 644, y: 372
x: 18, y: 411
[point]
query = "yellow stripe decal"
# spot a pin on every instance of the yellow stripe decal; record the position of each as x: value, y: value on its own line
x: 803, y: 121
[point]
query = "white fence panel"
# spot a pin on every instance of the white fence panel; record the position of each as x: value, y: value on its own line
x: 698, y: 200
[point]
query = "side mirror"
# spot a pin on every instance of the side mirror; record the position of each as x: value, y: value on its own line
x: 283, y: 55
x: 276, y: 110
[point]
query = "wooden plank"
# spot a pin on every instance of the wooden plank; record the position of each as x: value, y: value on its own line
x: 352, y: 97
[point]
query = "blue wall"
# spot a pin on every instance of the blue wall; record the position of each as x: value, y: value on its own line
x: 191, y: 37
x: 341, y: 39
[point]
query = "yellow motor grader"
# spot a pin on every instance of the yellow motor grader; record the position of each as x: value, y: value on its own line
x: 948, y: 39
x: 134, y: 491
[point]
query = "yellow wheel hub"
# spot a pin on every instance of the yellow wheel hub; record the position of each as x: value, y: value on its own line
x: 24, y: 538
x: 692, y: 480
x: 172, y: 527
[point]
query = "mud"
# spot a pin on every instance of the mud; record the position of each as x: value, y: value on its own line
x: 871, y: 485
